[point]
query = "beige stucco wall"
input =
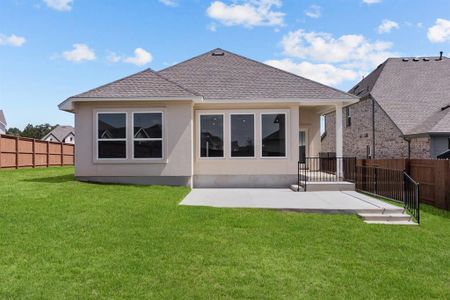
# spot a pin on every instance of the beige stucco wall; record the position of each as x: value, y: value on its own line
x: 256, y: 165
x: 181, y: 142
x: 310, y: 120
x: 177, y: 134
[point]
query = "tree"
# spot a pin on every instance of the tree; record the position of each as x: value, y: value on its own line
x: 37, y: 131
x: 14, y: 131
x: 32, y: 131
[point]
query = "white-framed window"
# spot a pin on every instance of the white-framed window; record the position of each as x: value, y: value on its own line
x: 111, y: 135
x: 242, y: 135
x: 348, y: 115
x: 211, y: 132
x: 273, y: 135
x: 148, y: 133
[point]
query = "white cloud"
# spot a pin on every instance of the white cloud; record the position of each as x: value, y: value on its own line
x: 61, y: 5
x: 248, y: 13
x: 172, y: 3
x: 372, y: 1
x: 350, y: 50
x: 440, y: 32
x: 324, y: 73
x: 140, y: 58
x: 79, y: 53
x: 313, y: 11
x: 212, y: 27
x: 386, y: 26
x: 113, y: 57
x: 12, y: 40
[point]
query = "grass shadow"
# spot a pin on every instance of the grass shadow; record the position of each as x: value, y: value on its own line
x: 53, y: 179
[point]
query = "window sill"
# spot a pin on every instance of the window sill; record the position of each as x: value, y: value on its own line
x: 130, y: 161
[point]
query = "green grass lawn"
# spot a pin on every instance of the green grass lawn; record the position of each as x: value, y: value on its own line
x: 60, y: 238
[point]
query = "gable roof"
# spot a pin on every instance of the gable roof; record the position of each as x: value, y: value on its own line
x: 222, y: 75
x: 146, y: 83
x: 60, y: 132
x: 411, y: 91
x: 215, y: 75
x: 2, y: 118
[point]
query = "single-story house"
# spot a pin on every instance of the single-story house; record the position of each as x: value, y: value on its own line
x: 61, y: 133
x: 2, y: 122
x: 404, y: 111
x: 216, y: 120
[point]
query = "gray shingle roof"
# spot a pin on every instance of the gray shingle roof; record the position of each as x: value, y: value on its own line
x: 222, y: 75
x: 411, y: 92
x: 2, y: 117
x: 140, y: 85
x: 60, y: 132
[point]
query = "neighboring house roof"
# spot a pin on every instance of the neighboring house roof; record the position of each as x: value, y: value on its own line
x: 222, y: 75
x: 412, y: 91
x: 215, y: 75
x: 2, y: 118
x: 60, y: 132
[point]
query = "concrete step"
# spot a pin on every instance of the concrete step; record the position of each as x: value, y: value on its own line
x: 294, y: 187
x: 385, y: 217
x: 326, y: 186
x: 392, y: 222
x: 388, y: 211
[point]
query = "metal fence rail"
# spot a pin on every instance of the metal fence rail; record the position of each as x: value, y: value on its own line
x: 395, y: 185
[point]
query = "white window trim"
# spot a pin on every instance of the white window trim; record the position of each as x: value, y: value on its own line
x: 200, y: 135
x: 254, y: 135
x: 133, y: 139
x: 111, y: 140
x: 286, y: 122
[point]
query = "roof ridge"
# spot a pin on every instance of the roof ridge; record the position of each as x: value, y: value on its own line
x: 292, y: 74
x: 260, y: 63
x: 178, y: 85
x: 187, y: 60
x: 115, y: 81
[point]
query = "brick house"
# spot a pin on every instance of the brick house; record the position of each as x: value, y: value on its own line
x: 404, y: 111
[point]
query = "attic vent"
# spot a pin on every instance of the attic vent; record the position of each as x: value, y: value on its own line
x: 405, y: 59
x: 445, y: 107
x: 426, y: 59
x: 218, y: 53
x: 416, y: 59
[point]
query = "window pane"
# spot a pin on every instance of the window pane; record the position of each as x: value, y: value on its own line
x: 273, y: 135
x: 111, y: 126
x: 112, y: 149
x: 147, y: 125
x: 211, y: 140
x: 148, y: 149
x: 242, y: 136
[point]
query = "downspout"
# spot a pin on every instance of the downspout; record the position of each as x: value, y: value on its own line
x: 373, y: 128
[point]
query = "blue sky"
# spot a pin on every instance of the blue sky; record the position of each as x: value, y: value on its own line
x: 52, y: 49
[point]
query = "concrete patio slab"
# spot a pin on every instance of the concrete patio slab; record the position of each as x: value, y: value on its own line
x: 285, y: 199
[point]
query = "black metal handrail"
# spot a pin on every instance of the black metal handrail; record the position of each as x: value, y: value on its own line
x: 325, y: 169
x: 395, y: 185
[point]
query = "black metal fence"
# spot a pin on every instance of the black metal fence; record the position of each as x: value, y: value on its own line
x: 326, y: 169
x: 395, y: 185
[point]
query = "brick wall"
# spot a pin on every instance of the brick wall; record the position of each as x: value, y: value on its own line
x: 421, y: 147
x: 388, y: 140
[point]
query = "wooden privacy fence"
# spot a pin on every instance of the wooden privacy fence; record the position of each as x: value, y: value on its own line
x: 19, y: 152
x: 433, y: 176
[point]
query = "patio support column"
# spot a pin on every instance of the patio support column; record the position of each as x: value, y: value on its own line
x: 339, y: 140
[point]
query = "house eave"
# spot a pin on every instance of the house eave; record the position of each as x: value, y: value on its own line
x: 299, y: 101
x: 68, y: 104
